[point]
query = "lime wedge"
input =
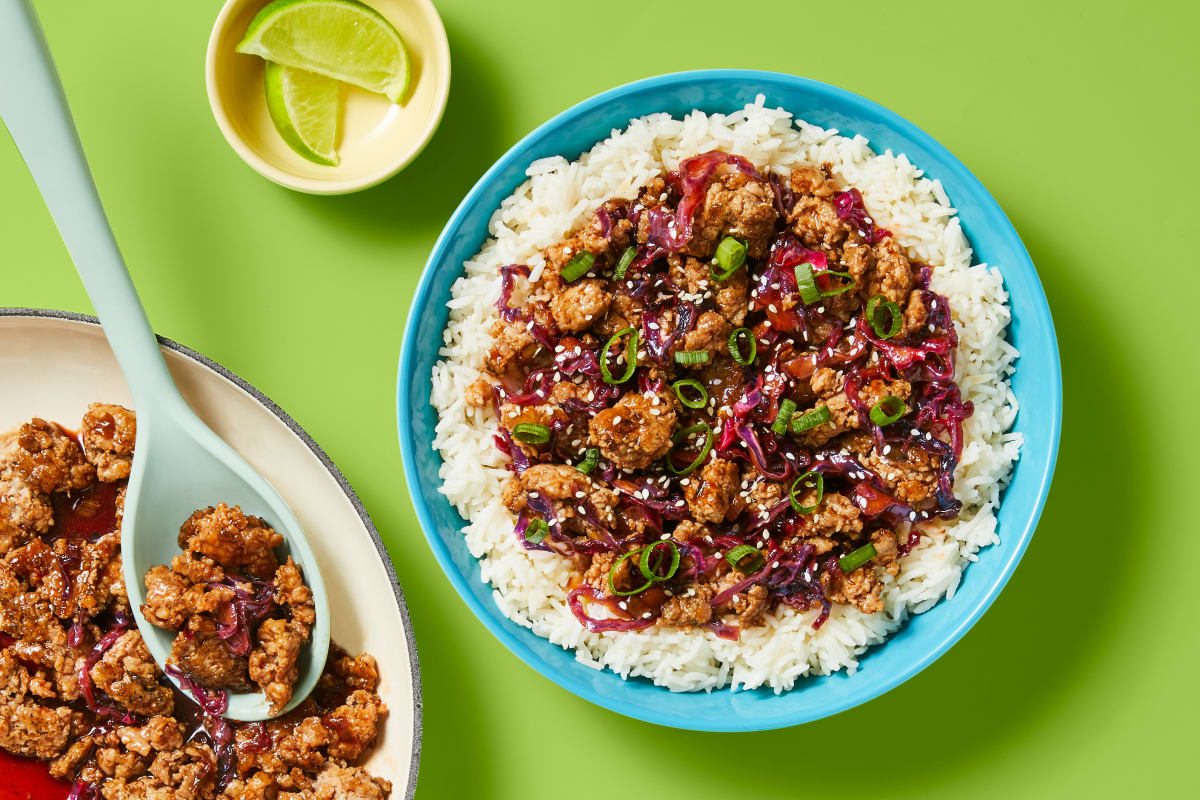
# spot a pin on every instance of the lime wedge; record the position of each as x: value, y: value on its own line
x: 341, y: 39
x: 305, y: 108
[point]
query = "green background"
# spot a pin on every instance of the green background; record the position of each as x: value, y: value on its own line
x: 1080, y: 118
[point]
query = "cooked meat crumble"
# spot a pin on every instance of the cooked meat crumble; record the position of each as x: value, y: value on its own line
x: 78, y: 687
x: 732, y: 393
x: 227, y: 583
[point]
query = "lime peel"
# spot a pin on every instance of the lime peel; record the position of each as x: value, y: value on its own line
x: 305, y: 108
x: 340, y: 39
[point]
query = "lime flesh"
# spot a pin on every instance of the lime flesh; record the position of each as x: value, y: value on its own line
x: 305, y: 109
x: 340, y: 39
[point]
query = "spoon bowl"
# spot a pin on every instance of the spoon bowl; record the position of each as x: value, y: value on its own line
x: 179, y: 464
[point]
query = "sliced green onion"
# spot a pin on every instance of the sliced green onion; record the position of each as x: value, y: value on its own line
x: 810, y: 419
x: 684, y: 434
x: 896, y: 321
x: 699, y: 400
x: 807, y: 284
x: 651, y: 572
x: 888, y: 410
x: 787, y: 407
x: 531, y: 433
x: 536, y: 531
x: 691, y: 357
x: 578, y: 266
x: 739, y: 553
x: 591, y: 457
x: 735, y: 349
x: 612, y: 574
x: 731, y: 254
x: 622, y: 265
x: 840, y: 289
x: 809, y: 480
x: 630, y: 356
x: 856, y: 558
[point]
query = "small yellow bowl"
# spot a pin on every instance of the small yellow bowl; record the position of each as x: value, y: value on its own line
x: 378, y: 138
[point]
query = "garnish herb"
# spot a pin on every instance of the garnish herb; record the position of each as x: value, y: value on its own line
x: 735, y: 350
x: 737, y: 555
x: 888, y: 410
x: 630, y: 357
x: 809, y: 480
x: 683, y: 435
x: 531, y: 433
x: 730, y: 255
x: 698, y: 400
x: 787, y: 407
x: 839, y: 289
x: 810, y: 419
x: 651, y: 571
x: 895, y: 321
x: 856, y: 558
x: 578, y: 266
x: 536, y: 531
x: 691, y: 357
x: 622, y: 265
x: 612, y: 574
x: 591, y: 457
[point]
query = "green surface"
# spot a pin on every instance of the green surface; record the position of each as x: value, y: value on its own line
x: 1078, y: 683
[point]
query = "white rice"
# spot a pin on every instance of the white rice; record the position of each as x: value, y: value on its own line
x: 559, y: 196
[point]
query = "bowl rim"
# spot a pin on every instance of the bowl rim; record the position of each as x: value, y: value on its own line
x: 327, y: 462
x: 1039, y: 315
x: 441, y: 50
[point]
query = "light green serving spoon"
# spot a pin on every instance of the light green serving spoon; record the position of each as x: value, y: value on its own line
x: 180, y: 465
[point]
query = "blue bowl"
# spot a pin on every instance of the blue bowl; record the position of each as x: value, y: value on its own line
x: 1037, y: 384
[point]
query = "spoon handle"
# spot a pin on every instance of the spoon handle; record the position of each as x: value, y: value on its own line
x: 34, y: 108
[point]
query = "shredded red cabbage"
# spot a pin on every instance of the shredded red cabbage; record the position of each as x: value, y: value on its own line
x: 758, y: 577
x: 657, y: 342
x: 507, y: 312
x: 575, y: 602
x: 695, y: 174
x: 730, y: 632
x: 518, y: 461
x: 849, y: 206
x: 224, y: 744
x: 648, y: 494
x: 605, y: 220
x: 84, y: 674
x: 785, y: 198
x: 536, y: 389
x: 758, y: 456
x: 211, y: 702
x: 235, y: 619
